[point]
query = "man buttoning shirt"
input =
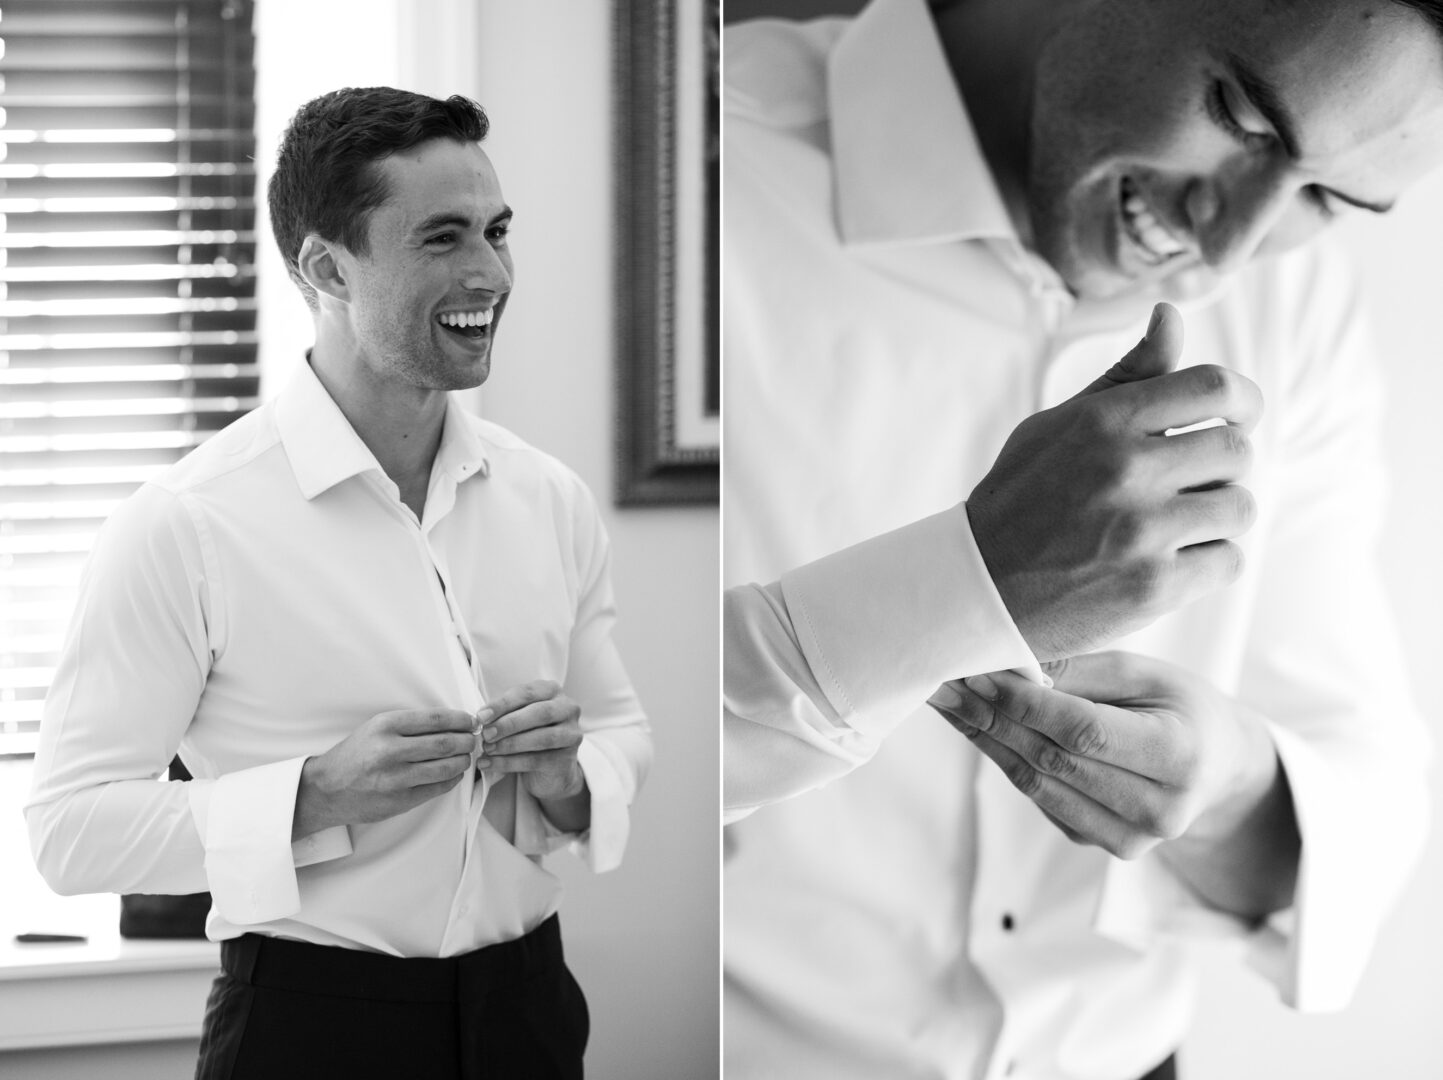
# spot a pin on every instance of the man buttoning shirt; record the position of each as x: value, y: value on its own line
x: 962, y: 440
x: 378, y: 632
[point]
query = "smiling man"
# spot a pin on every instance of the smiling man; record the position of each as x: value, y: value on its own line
x: 967, y: 447
x: 378, y: 632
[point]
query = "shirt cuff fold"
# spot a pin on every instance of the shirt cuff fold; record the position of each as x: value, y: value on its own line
x: 882, y: 624
x: 602, y: 844
x: 1348, y: 879
x: 1141, y: 900
x: 1314, y: 952
x: 245, y: 820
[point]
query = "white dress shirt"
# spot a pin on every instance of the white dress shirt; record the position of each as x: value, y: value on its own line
x: 268, y: 595
x: 893, y: 907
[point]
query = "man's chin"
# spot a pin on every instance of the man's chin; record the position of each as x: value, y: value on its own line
x: 1098, y: 282
x: 473, y: 376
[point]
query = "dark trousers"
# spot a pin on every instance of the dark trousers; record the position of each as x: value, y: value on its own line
x: 284, y: 1009
x: 1166, y: 1071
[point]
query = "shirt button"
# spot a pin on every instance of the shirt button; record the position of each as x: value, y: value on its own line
x: 1007, y: 922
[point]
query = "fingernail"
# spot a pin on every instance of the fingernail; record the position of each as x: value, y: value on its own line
x: 982, y: 686
x: 483, y: 762
x: 946, y: 697
x: 489, y: 734
x: 1153, y: 322
x: 484, y: 715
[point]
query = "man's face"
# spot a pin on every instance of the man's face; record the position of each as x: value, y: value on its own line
x: 1176, y: 136
x: 426, y: 300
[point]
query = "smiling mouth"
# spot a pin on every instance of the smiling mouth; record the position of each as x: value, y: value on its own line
x: 1153, y: 239
x: 468, y: 324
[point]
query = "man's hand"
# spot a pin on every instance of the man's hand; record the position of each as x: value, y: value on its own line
x: 534, y: 731
x: 392, y: 763
x: 1127, y: 752
x: 1093, y: 523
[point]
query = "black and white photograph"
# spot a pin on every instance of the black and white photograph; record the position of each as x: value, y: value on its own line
x: 1080, y: 495
x: 720, y: 539
x: 352, y: 727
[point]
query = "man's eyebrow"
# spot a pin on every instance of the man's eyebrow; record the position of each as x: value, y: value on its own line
x: 454, y: 220
x: 1265, y: 98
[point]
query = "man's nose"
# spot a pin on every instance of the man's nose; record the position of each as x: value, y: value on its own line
x: 1233, y: 214
x: 486, y: 271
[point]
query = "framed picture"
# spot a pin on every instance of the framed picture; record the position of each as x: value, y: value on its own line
x: 667, y: 171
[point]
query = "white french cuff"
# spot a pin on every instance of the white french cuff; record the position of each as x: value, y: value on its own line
x: 602, y: 845
x: 882, y: 624
x: 1348, y: 882
x: 245, y: 819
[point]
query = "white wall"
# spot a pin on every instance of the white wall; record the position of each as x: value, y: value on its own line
x: 642, y: 940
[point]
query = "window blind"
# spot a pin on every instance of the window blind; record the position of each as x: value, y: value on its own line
x: 127, y: 289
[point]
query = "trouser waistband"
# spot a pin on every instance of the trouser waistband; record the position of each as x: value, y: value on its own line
x: 281, y: 964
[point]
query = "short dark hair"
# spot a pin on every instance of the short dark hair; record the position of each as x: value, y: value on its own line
x: 326, y: 181
x: 1432, y: 10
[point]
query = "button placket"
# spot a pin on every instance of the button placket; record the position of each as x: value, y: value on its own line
x: 471, y: 793
x: 457, y: 623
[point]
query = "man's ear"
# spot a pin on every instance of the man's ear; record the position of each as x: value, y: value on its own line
x: 320, y: 262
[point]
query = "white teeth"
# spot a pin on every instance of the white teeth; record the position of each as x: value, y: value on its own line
x: 1146, y: 229
x: 466, y: 318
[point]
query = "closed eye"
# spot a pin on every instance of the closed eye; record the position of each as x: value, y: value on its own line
x: 1225, y: 116
x: 1322, y: 202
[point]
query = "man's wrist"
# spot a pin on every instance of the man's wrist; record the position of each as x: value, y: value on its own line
x: 1256, y: 786
x: 313, y: 811
x: 1243, y: 856
x: 571, y: 810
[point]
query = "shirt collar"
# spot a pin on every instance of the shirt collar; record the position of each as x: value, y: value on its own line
x: 908, y: 165
x: 324, y: 449
x: 462, y: 453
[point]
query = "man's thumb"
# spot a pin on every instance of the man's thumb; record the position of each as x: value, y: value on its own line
x: 1156, y: 354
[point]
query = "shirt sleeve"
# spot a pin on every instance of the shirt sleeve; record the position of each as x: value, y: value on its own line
x: 820, y: 666
x: 130, y: 675
x: 616, y: 747
x: 1324, y: 667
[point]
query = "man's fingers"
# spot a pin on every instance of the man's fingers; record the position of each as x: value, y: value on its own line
x: 518, y: 697
x: 1156, y: 354
x: 1222, y: 513
x: 425, y: 721
x: 1111, y: 677
x: 1204, y: 457
x: 1193, y: 395
x: 1206, y: 567
x: 444, y: 744
x: 537, y: 761
x: 1136, y: 798
x: 1075, y: 725
x: 438, y: 771
x: 1081, y: 819
x: 430, y: 791
x: 550, y: 737
x: 537, y: 714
